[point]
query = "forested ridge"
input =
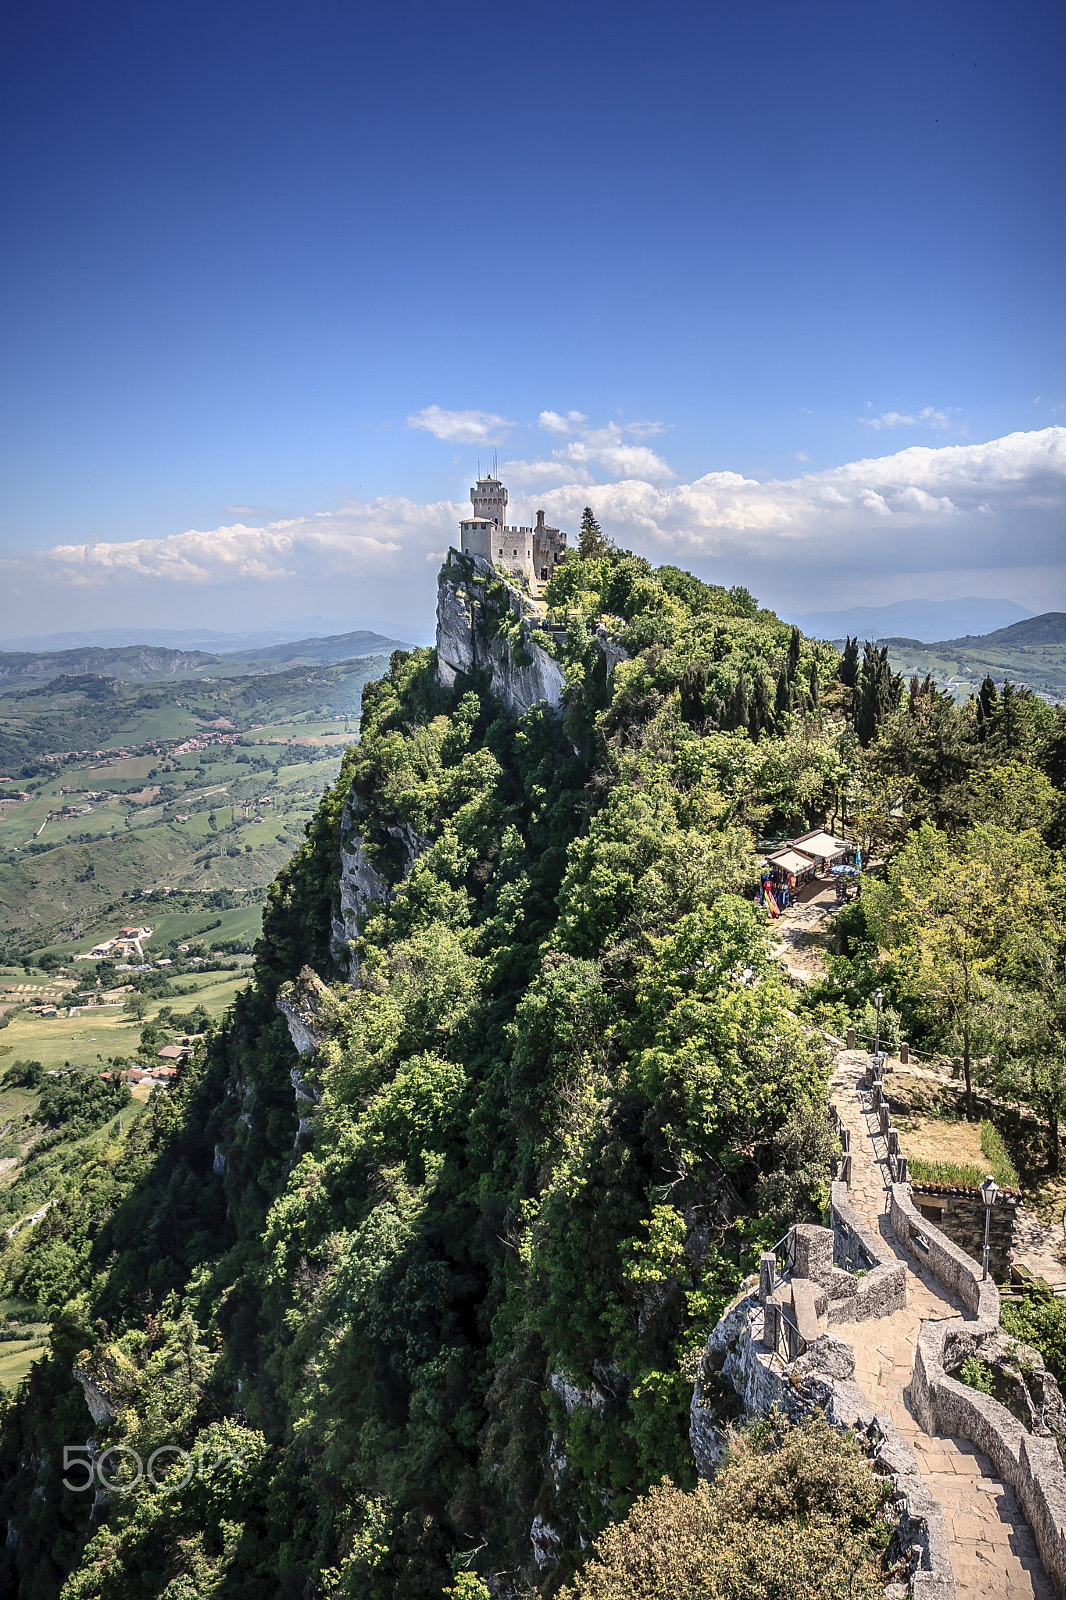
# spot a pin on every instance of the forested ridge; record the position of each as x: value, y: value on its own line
x: 429, y: 1299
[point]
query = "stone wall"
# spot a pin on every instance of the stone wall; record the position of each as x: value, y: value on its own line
x: 883, y: 1287
x: 948, y: 1263
x: 822, y: 1378
x: 960, y: 1214
x: 1029, y: 1462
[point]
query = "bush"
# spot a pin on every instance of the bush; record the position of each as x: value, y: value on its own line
x: 976, y: 1374
x: 1039, y: 1320
x: 1000, y: 1164
x: 23, y: 1075
x: 793, y: 1512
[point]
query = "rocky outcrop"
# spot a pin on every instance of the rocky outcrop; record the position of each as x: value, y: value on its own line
x: 613, y: 651
x: 455, y: 626
x: 360, y: 886
x: 104, y: 1374
x: 310, y: 1010
x: 522, y: 673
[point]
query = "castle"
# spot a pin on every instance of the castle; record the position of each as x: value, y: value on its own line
x: 529, y: 553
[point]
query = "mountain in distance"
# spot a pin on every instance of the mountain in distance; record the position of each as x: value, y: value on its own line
x: 298, y: 629
x: 1048, y: 628
x: 927, y: 621
x: 152, y: 663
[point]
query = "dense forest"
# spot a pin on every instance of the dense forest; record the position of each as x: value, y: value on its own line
x: 424, y: 1305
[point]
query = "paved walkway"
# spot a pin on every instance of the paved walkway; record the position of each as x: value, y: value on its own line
x: 993, y: 1552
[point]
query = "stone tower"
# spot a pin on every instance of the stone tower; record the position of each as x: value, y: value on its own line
x: 489, y: 500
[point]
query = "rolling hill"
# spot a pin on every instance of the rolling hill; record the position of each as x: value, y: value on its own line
x: 1030, y: 652
x: 145, y: 663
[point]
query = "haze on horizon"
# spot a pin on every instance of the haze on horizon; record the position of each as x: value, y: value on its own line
x: 779, y: 294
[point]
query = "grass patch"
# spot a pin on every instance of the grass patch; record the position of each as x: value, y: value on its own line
x: 965, y: 1174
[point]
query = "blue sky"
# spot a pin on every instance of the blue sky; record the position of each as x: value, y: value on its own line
x: 291, y: 269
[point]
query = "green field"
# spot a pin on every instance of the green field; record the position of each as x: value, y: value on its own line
x: 93, y: 1036
x: 84, y: 836
x: 16, y: 1359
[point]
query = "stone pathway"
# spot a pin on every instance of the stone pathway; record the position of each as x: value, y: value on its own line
x: 993, y: 1553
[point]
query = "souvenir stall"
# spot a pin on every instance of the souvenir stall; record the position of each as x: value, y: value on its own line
x: 784, y: 874
x: 822, y: 849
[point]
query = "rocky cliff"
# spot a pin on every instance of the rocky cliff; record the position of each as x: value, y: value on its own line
x: 485, y: 622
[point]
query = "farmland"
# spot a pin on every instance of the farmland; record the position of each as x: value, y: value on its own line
x: 110, y: 791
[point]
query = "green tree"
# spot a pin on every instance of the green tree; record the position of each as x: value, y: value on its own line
x: 1029, y: 1060
x: 592, y: 542
x: 792, y: 1511
x: 952, y: 910
x: 878, y: 692
x: 848, y: 671
x: 1016, y: 796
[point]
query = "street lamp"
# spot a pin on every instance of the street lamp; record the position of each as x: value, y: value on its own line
x: 989, y: 1194
x: 878, y: 999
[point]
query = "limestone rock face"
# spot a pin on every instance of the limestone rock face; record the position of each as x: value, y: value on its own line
x: 360, y: 886
x: 455, y: 629
x: 309, y: 1009
x: 100, y: 1373
x: 611, y: 648
x: 521, y: 687
x: 523, y: 674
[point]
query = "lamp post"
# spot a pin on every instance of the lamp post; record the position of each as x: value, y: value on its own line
x: 989, y: 1194
x: 878, y: 999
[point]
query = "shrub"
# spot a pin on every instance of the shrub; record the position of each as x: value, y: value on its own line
x: 976, y: 1374
x: 793, y: 1511
x: 1000, y: 1164
x: 1039, y: 1320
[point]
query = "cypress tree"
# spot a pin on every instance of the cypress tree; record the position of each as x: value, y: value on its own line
x: 782, y: 698
x: 692, y: 688
x: 848, y: 671
x: 793, y: 654
x: 879, y: 692
x: 760, y: 706
x: 740, y: 701
x: 987, y: 706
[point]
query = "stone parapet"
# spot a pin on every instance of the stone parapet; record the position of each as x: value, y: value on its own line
x: 948, y: 1262
x: 883, y: 1289
x: 823, y: 1378
x: 1029, y: 1462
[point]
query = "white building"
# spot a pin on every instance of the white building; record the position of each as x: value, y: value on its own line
x: 529, y: 553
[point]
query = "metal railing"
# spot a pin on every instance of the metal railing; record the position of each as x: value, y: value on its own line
x: 785, y: 1252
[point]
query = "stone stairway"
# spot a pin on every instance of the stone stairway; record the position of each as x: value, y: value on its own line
x: 993, y: 1553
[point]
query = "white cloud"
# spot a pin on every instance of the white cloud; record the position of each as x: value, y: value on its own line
x: 609, y: 448
x: 461, y: 427
x: 908, y: 511
x: 928, y: 416
x: 887, y: 527
x: 801, y: 455
x: 555, y: 422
